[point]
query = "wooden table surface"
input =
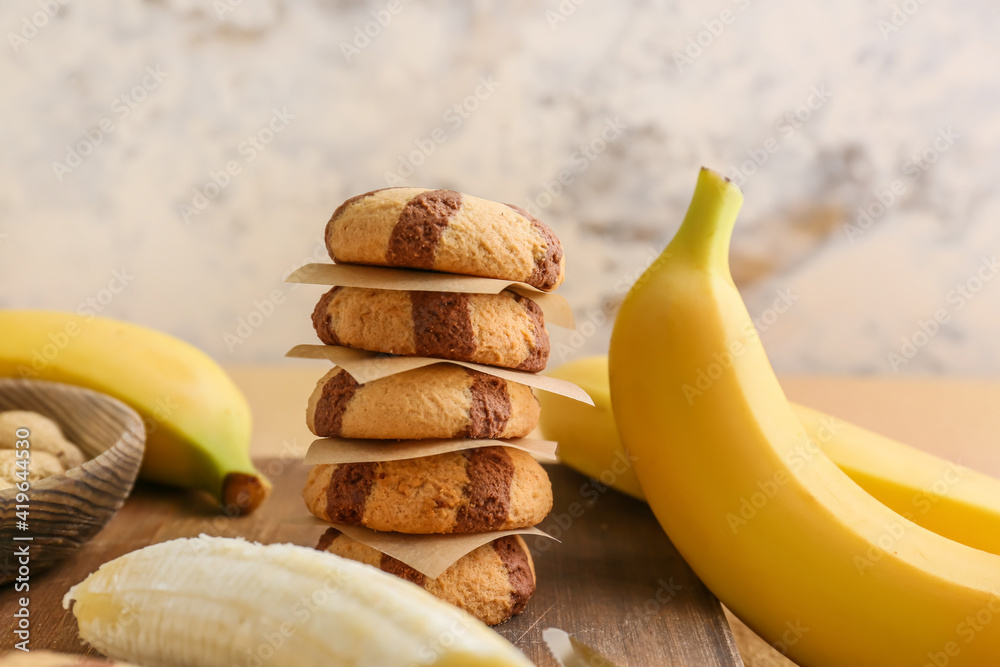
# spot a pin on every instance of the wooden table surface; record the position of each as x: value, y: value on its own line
x: 614, y: 581
x: 956, y: 418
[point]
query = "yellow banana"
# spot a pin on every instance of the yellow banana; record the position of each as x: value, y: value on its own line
x: 783, y: 537
x: 587, y: 436
x: 197, y: 420
x: 951, y: 500
x: 218, y: 602
x: 954, y: 501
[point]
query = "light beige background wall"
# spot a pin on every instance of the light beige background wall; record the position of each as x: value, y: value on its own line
x: 816, y: 108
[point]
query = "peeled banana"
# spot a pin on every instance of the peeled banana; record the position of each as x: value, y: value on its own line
x: 218, y: 602
x: 951, y: 500
x: 197, y: 420
x: 48, y: 659
x: 772, y: 526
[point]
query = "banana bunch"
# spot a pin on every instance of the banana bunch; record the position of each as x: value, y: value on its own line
x: 774, y: 528
x: 942, y: 496
x: 217, y: 602
x: 197, y: 421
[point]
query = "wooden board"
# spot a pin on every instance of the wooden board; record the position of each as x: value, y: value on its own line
x: 615, y: 581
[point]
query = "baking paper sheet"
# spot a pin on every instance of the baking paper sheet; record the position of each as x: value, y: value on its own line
x: 365, y: 366
x: 555, y: 308
x: 430, y: 555
x: 349, y: 450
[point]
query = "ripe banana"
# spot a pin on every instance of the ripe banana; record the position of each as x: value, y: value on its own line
x: 780, y: 534
x: 197, y: 420
x: 951, y: 500
x: 217, y: 602
x: 587, y: 436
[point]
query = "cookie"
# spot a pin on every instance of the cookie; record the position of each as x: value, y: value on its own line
x: 439, y: 401
x: 40, y: 465
x: 444, y: 230
x: 46, y: 436
x: 493, y: 582
x: 503, y: 329
x: 470, y: 491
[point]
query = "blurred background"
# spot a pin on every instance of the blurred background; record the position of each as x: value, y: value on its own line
x: 170, y: 162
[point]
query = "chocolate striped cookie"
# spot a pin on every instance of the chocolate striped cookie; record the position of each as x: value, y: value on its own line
x: 448, y: 231
x: 503, y: 329
x: 471, y: 491
x: 493, y: 582
x: 440, y: 401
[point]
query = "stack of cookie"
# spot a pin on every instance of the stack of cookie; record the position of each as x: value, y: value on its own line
x: 489, y: 488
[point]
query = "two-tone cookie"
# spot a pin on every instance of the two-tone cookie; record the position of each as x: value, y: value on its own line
x: 470, y: 491
x: 439, y: 401
x: 493, y: 582
x: 444, y: 230
x: 503, y: 329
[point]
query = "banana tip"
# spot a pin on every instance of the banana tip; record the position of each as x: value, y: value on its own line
x: 243, y: 493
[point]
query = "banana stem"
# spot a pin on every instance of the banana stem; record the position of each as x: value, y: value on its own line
x: 703, y: 237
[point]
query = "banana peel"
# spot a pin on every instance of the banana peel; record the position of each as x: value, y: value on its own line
x: 197, y: 421
x: 954, y: 501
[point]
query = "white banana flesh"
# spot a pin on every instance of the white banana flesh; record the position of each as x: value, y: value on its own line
x: 218, y: 602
